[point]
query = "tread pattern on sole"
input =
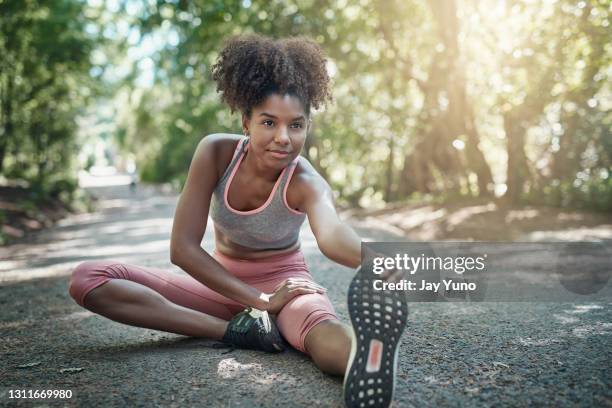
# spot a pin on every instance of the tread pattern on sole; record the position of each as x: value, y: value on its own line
x: 375, y: 315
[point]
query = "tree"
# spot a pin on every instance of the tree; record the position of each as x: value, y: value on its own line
x: 43, y: 76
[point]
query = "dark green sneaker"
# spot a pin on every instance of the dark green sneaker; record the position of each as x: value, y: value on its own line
x: 253, y: 329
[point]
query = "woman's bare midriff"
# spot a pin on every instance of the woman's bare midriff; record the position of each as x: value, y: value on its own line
x: 231, y: 249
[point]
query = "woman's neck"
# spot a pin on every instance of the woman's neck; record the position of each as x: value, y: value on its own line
x: 258, y: 169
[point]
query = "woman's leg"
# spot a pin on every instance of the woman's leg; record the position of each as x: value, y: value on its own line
x: 329, y: 345
x: 308, y: 322
x: 137, y: 305
x: 151, y: 298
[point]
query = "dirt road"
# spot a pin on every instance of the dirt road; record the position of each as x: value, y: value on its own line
x: 485, y: 354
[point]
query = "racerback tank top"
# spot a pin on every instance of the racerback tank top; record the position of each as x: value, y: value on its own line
x: 274, y: 225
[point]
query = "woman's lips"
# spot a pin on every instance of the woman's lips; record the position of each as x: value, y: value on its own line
x: 279, y: 154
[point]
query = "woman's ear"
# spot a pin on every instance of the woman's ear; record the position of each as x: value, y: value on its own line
x: 246, y: 123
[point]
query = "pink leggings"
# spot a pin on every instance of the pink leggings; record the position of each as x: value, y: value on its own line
x: 294, y: 321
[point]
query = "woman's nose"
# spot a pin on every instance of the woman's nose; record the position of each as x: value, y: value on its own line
x: 282, y: 136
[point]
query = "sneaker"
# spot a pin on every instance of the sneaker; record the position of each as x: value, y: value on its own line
x: 253, y: 329
x: 378, y: 319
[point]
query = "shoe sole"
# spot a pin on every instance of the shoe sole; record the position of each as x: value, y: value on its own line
x: 378, y: 320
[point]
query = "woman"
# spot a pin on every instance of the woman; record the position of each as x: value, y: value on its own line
x: 258, y: 191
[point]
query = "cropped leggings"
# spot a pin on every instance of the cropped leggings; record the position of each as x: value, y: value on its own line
x: 294, y: 321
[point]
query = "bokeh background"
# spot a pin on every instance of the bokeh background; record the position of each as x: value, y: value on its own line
x: 490, y: 106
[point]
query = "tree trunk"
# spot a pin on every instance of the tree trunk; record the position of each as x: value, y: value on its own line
x: 460, y: 117
x: 476, y: 158
x: 517, y: 169
x: 7, y: 122
x: 389, y: 178
x: 443, y: 124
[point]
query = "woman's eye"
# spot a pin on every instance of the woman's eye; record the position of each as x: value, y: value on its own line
x: 265, y: 122
x: 299, y: 125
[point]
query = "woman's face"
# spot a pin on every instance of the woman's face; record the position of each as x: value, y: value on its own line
x: 277, y: 129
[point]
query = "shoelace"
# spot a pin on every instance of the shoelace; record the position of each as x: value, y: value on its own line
x: 237, y: 332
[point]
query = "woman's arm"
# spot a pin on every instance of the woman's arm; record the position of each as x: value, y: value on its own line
x: 336, y: 240
x: 189, y: 225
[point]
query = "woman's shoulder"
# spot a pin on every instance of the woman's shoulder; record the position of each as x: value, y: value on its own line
x: 304, y: 171
x: 222, y: 147
x: 222, y: 141
x: 305, y: 182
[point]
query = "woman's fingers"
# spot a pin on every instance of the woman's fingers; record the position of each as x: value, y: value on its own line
x: 305, y: 283
x: 302, y: 290
x: 302, y: 280
x: 280, y: 285
x: 310, y: 286
x: 314, y: 286
x: 306, y: 287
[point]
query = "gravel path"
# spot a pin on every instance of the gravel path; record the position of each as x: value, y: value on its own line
x: 453, y: 354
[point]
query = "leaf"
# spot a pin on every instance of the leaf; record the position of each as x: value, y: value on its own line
x: 28, y: 365
x: 71, y: 370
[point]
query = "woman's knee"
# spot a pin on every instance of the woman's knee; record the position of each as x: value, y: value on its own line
x: 328, y: 338
x: 88, y: 275
x: 329, y: 346
x: 301, y: 314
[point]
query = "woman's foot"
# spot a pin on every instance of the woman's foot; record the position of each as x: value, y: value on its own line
x: 254, y: 329
x: 378, y: 319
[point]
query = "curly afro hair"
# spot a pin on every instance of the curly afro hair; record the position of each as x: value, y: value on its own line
x: 251, y: 67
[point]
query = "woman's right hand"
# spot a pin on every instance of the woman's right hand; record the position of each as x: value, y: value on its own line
x: 289, y: 289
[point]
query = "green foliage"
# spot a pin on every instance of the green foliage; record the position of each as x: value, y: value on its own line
x: 410, y: 79
x: 44, y: 84
x: 434, y: 100
x: 593, y: 194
